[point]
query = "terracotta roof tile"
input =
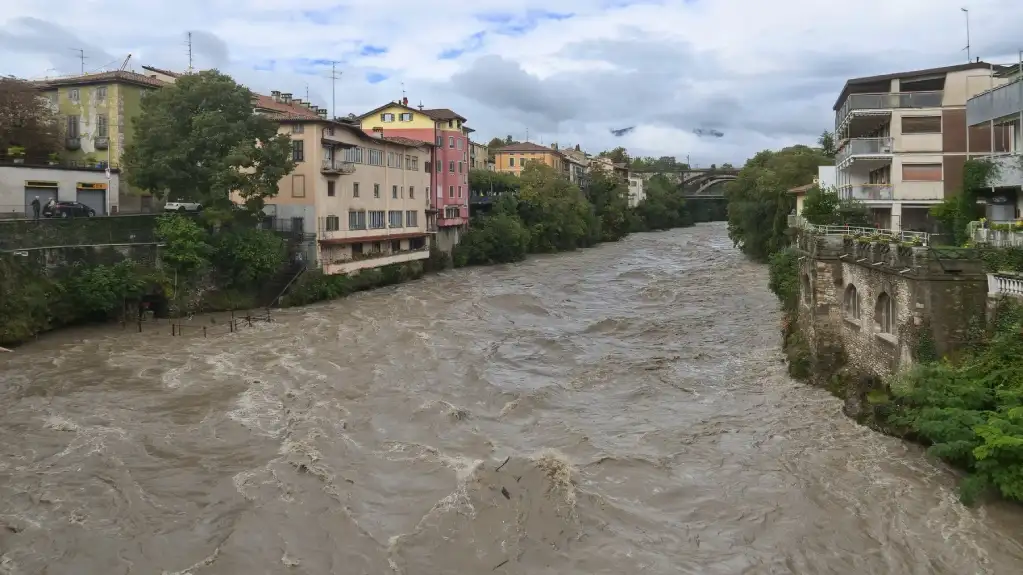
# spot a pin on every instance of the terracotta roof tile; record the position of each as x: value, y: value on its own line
x: 403, y: 141
x: 101, y: 78
x: 527, y: 147
x: 443, y: 114
x: 269, y: 104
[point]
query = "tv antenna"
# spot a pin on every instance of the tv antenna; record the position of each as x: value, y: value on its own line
x: 81, y: 57
x: 334, y: 77
x: 189, y: 44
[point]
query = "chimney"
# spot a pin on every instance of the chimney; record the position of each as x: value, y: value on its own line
x: 322, y: 112
x: 296, y: 101
x: 276, y: 95
x: 286, y: 97
x: 310, y: 106
x: 554, y: 145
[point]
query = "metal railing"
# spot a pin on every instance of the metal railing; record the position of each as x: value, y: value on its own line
x: 338, y: 166
x: 887, y: 101
x: 995, y: 104
x: 864, y: 147
x: 997, y: 234
x: 923, y: 238
x: 867, y: 192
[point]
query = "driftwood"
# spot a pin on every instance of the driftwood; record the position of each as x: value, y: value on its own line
x: 2, y: 349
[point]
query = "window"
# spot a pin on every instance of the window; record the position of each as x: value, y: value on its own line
x: 330, y: 188
x: 354, y: 155
x: 427, y: 167
x: 357, y: 248
x: 333, y: 224
x: 411, y: 219
x: 72, y: 127
x: 394, y: 218
x: 297, y: 150
x: 451, y: 191
x: 851, y: 303
x: 411, y: 193
x: 101, y: 93
x: 391, y: 160
x: 921, y: 172
x: 329, y: 130
x: 355, y: 189
x: 394, y: 192
x: 376, y: 219
x: 415, y: 163
x: 376, y: 157
x: 357, y: 220
x: 298, y: 129
x: 440, y: 141
x: 427, y: 192
x: 511, y: 162
x: 406, y: 117
x: 451, y: 123
x: 459, y: 191
x: 376, y: 190
x: 451, y: 141
x: 297, y: 186
x: 438, y: 163
x: 459, y: 142
x: 459, y: 167
x: 883, y: 313
x: 451, y: 166
x: 921, y: 124
x: 102, y: 128
x: 408, y: 162
x: 72, y: 94
x: 388, y: 117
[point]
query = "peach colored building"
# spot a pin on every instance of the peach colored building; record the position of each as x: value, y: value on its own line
x: 366, y: 197
x: 512, y: 158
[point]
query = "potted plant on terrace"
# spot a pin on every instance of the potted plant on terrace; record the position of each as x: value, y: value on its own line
x: 17, y: 154
x: 53, y: 159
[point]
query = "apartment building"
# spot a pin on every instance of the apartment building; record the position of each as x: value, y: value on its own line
x: 448, y: 135
x: 98, y: 113
x: 637, y: 190
x: 578, y: 166
x: 479, y: 157
x: 999, y: 111
x: 903, y: 139
x: 368, y: 196
x: 608, y: 166
x: 512, y: 158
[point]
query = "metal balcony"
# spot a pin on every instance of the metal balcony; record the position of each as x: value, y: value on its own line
x: 867, y: 192
x: 866, y: 148
x: 102, y: 143
x: 886, y: 102
x: 335, y: 167
x: 1004, y: 102
x: 73, y: 143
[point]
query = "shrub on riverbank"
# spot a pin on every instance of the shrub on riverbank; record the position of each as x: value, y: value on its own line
x: 315, y: 286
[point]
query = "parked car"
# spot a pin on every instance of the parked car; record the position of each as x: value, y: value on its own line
x: 182, y: 207
x: 67, y: 210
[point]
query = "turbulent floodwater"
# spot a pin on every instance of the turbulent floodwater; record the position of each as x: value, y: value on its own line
x: 618, y: 410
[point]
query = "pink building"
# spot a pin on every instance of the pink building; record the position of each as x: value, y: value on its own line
x: 449, y: 165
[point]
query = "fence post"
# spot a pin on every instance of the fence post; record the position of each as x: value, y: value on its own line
x: 204, y: 331
x: 174, y: 329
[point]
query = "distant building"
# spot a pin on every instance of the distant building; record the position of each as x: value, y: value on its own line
x: 98, y: 113
x: 479, y: 157
x: 637, y: 191
x: 512, y: 158
x: 998, y: 112
x: 606, y: 165
x: 578, y: 166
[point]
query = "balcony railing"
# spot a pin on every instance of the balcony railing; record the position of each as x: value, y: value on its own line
x: 337, y: 167
x: 995, y: 104
x: 102, y: 143
x: 1005, y: 285
x: 864, y: 192
x: 864, y: 147
x: 887, y: 101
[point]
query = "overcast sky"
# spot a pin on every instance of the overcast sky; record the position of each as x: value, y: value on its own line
x: 717, y: 80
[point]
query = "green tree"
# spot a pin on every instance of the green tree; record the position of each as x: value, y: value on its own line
x: 555, y: 211
x: 27, y: 121
x: 185, y: 247
x: 495, y: 239
x: 610, y: 199
x: 759, y: 201
x: 245, y: 256
x: 823, y: 207
x: 663, y: 207
x: 199, y: 140
x: 618, y: 155
x: 826, y: 141
x: 485, y: 182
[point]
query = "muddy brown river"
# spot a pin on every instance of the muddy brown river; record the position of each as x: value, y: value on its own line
x: 618, y: 410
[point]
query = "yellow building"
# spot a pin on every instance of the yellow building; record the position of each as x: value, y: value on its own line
x: 512, y: 158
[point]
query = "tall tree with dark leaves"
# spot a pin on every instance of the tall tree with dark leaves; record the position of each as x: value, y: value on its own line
x: 27, y: 121
x: 199, y: 140
x: 826, y: 141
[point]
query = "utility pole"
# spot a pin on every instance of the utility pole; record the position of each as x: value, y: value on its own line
x: 81, y: 57
x: 189, y: 52
x: 527, y: 134
x: 967, y: 13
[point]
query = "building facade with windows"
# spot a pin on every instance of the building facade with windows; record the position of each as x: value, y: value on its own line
x: 366, y: 197
x: 999, y: 111
x: 511, y: 159
x: 903, y: 140
x: 578, y: 166
x: 448, y: 135
x: 97, y: 112
x: 479, y: 157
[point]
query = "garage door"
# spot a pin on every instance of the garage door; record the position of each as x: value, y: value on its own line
x: 95, y: 199
x: 44, y: 195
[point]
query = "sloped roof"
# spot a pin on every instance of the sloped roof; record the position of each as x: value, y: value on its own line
x: 162, y: 71
x: 296, y: 110
x: 101, y: 78
x: 908, y: 75
x: 443, y: 114
x: 527, y: 147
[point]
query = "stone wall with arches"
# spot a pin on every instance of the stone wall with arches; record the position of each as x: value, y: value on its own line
x: 879, y: 301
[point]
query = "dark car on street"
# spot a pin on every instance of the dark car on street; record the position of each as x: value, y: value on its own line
x: 67, y: 210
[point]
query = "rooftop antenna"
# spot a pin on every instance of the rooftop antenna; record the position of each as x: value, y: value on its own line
x: 334, y: 77
x: 189, y: 43
x: 527, y: 134
x: 81, y: 57
x: 967, y: 12
x: 124, y: 64
x: 307, y: 91
x: 421, y: 104
x: 403, y: 91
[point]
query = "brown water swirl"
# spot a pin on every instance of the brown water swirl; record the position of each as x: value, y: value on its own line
x: 623, y: 409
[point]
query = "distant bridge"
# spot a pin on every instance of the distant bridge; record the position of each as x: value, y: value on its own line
x: 698, y: 182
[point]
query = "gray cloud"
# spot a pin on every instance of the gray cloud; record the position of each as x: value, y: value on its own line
x: 58, y: 44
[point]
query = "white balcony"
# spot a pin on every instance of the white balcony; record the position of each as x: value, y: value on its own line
x: 876, y: 149
x: 867, y: 192
x: 1004, y: 285
x: 995, y: 105
x: 883, y: 104
x: 1008, y: 170
x: 337, y: 167
x: 369, y: 261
